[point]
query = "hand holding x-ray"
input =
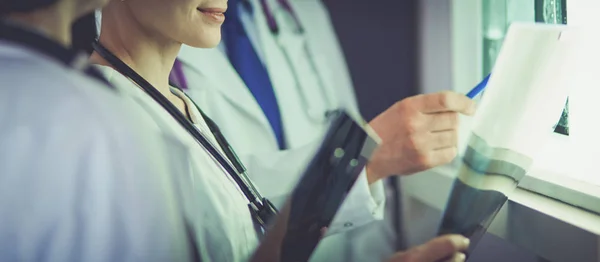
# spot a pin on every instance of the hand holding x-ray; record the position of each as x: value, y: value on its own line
x: 517, y: 114
x: 418, y: 133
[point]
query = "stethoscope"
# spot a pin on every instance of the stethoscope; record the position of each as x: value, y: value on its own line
x: 314, y: 113
x: 261, y: 209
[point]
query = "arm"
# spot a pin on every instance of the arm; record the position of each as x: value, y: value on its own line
x: 418, y: 133
x: 447, y: 248
x: 276, y: 175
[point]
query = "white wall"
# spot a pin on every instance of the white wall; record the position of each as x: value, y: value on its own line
x: 451, y: 37
x: 451, y: 48
x: 467, y: 44
x: 584, y: 101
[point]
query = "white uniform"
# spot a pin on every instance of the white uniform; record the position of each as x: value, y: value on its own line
x: 223, y: 223
x: 215, y: 85
x: 78, y: 182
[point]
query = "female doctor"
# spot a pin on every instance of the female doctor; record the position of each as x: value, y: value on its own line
x: 292, y: 44
x: 78, y: 182
x: 138, y: 45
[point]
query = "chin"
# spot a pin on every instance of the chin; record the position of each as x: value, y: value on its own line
x: 206, y: 41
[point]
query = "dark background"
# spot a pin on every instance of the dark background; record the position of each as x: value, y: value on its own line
x: 379, y: 40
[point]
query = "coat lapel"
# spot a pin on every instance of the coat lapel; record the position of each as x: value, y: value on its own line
x: 214, y: 65
x: 327, y: 53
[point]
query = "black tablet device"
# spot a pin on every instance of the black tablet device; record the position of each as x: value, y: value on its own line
x: 300, y: 225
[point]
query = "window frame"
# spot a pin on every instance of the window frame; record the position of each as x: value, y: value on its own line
x: 467, y: 67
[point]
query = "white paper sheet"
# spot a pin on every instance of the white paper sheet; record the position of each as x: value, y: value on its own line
x: 522, y: 103
x: 528, y: 89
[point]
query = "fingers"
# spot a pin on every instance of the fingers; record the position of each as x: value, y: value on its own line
x: 439, y: 157
x: 445, y: 102
x: 458, y: 257
x: 418, y: 133
x: 323, y: 232
x: 443, y: 139
x: 432, y: 149
x: 443, y: 247
x: 443, y: 121
x: 435, y: 141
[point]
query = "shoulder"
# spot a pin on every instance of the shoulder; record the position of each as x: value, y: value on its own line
x: 61, y: 118
x: 64, y: 110
x: 75, y: 158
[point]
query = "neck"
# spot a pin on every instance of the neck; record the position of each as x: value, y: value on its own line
x: 149, y: 55
x: 54, y: 22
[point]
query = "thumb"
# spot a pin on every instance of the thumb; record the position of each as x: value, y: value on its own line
x: 442, y: 247
x: 435, y: 250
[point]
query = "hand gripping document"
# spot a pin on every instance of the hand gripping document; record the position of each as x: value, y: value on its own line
x: 517, y: 114
x: 300, y: 225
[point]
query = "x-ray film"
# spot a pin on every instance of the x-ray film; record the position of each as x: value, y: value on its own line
x: 517, y: 114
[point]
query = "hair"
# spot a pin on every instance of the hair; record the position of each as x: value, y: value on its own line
x: 23, y: 6
x: 84, y: 30
x: 84, y: 33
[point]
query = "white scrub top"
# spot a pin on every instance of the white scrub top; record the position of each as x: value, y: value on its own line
x: 217, y: 208
x: 78, y: 182
x: 223, y: 223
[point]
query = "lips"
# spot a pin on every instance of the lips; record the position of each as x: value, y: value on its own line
x: 214, y: 14
x: 212, y: 10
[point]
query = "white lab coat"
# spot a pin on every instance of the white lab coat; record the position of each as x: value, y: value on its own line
x: 212, y: 201
x: 215, y: 85
x: 78, y: 182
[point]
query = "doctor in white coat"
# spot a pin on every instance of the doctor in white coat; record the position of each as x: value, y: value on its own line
x: 297, y: 46
x: 138, y: 63
x: 77, y: 182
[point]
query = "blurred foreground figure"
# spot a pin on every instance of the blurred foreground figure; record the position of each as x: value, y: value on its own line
x: 76, y: 184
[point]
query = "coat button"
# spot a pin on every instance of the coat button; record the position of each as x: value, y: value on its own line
x: 348, y: 224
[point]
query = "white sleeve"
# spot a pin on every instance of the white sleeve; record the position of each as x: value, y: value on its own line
x: 80, y: 193
x: 364, y: 204
x: 276, y: 175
